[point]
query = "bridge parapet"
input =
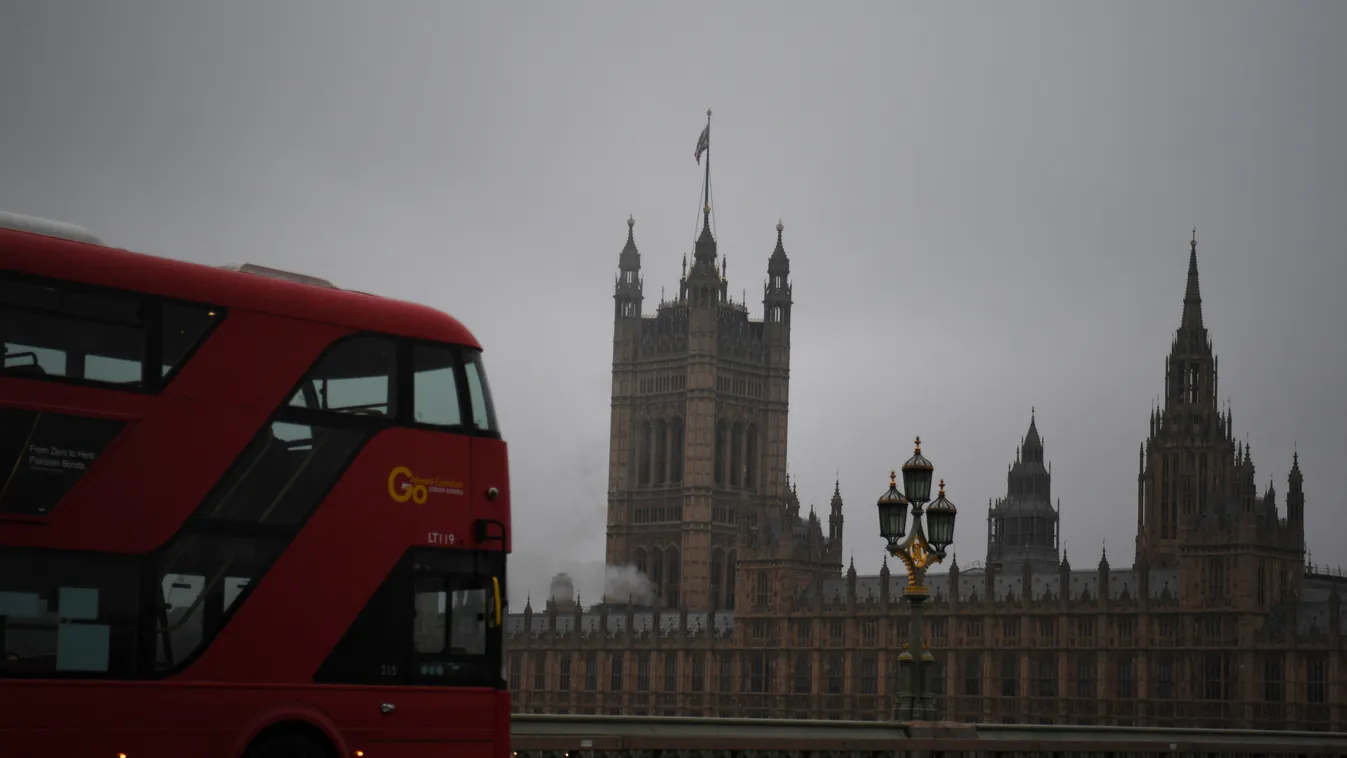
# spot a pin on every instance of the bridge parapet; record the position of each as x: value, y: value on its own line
x: 571, y: 736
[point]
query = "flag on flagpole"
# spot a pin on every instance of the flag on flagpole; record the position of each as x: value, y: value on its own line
x: 703, y: 144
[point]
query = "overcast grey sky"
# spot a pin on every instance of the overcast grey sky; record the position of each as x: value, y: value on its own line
x: 987, y: 208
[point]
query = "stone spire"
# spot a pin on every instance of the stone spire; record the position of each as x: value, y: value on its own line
x: 1192, y: 294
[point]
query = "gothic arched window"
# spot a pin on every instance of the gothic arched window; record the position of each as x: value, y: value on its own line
x: 751, y: 458
x: 676, y: 450
x: 1215, y: 579
x: 643, y: 441
x: 661, y: 452
x: 736, y: 454
x: 802, y: 672
x: 731, y: 575
x: 722, y: 441
x: 717, y: 578
x: 657, y: 570
x: 673, y: 570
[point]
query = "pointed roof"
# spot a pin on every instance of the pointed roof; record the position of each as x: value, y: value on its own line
x: 1032, y: 440
x: 1029, y: 453
x: 629, y: 259
x: 778, y: 263
x: 704, y: 252
x: 1192, y: 294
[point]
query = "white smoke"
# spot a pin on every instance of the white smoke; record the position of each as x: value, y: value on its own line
x: 563, y: 589
x: 622, y: 584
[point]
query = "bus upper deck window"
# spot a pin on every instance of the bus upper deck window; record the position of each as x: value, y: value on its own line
x: 356, y: 375
x: 435, y: 387
x: 479, y: 392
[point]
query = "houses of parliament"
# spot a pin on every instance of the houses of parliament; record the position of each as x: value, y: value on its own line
x: 750, y: 611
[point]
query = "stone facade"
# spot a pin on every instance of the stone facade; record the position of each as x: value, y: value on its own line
x: 1218, y: 623
x: 698, y: 444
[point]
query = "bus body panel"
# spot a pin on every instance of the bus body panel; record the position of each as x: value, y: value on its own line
x: 334, y: 565
x: 170, y: 719
x: 490, y: 468
x: 252, y: 360
x: 151, y: 461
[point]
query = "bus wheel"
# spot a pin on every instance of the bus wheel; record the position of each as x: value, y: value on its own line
x: 288, y: 743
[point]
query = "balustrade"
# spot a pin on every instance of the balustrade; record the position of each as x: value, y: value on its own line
x: 551, y: 736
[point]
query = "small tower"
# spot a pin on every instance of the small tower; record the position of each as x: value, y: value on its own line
x: 776, y: 304
x: 1104, y: 572
x: 835, y: 515
x: 703, y: 286
x: 1295, y: 497
x: 627, y: 290
x: 1023, y: 527
x: 776, y: 294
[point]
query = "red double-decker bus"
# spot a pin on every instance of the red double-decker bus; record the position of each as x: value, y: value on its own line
x: 242, y: 513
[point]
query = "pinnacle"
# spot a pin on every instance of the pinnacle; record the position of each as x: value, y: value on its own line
x: 778, y: 262
x: 630, y: 258
x: 1032, y: 439
x: 1192, y: 294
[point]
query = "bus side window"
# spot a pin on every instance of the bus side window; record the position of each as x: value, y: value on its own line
x: 55, y: 331
x: 270, y: 492
x: 43, y: 455
x: 435, y: 387
x: 63, y: 330
x: 184, y: 326
x: 479, y: 392
x: 67, y: 613
x: 357, y: 375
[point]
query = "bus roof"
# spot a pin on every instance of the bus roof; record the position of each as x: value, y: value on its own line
x: 64, y: 251
x: 46, y: 227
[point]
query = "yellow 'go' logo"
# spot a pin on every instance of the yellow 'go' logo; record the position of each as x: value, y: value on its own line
x: 401, y: 492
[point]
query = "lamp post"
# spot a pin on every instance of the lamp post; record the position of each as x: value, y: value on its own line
x: 917, y: 548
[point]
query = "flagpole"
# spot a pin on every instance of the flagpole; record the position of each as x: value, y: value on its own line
x: 706, y: 205
x: 704, y: 150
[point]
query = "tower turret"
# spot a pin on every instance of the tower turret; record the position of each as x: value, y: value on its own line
x: 835, y: 514
x: 777, y: 292
x: 1187, y: 471
x: 1295, y: 496
x: 627, y: 290
x: 1023, y: 527
x: 1191, y: 377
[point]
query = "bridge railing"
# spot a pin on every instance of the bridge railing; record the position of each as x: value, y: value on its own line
x: 571, y: 736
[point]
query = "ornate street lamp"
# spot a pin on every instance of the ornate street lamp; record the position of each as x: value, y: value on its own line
x: 917, y: 549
